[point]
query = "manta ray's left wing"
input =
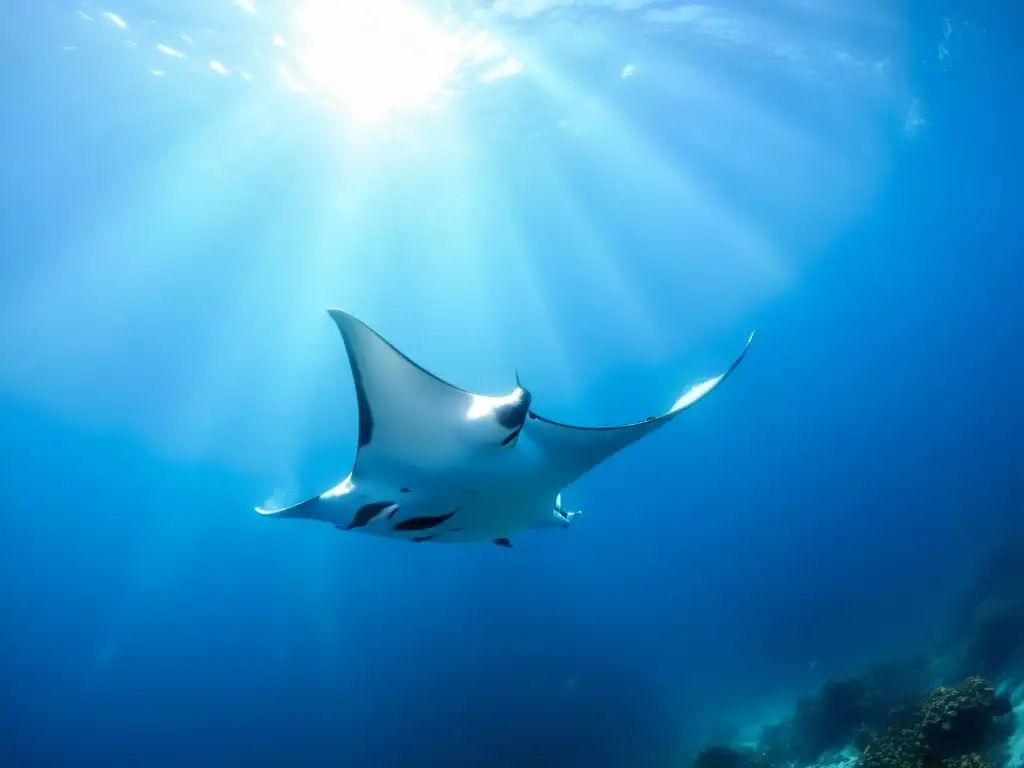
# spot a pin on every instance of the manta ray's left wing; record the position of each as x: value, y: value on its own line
x: 571, y: 451
x: 413, y: 424
x: 415, y: 430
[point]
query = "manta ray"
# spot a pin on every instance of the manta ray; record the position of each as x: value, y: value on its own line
x: 437, y: 463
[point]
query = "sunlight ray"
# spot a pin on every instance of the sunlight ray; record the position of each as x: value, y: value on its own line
x: 311, y: 257
x: 148, y: 235
x: 727, y: 254
x: 518, y: 274
x: 761, y: 133
x: 334, y: 273
x: 449, y: 258
x: 785, y: 148
x: 431, y: 251
x: 214, y: 402
x: 588, y: 247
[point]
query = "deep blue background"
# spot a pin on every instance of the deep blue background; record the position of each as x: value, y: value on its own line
x: 819, y: 511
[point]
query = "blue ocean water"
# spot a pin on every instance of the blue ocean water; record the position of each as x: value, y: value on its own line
x: 605, y: 195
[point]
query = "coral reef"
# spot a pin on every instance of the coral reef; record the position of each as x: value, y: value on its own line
x: 844, y: 712
x: 951, y: 726
x: 965, y: 761
x: 963, y: 726
x: 894, y: 715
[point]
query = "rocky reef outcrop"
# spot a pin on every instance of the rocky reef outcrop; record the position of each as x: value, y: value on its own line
x: 961, y: 726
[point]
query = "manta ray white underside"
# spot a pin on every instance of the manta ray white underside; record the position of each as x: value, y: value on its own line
x: 437, y: 463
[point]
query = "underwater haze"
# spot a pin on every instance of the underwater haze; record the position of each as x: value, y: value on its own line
x: 606, y: 196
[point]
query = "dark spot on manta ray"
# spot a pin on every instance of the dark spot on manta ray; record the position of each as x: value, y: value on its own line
x: 512, y: 436
x: 363, y: 403
x: 503, y: 543
x: 422, y: 523
x: 367, y: 512
x: 512, y: 415
x: 403, y: 490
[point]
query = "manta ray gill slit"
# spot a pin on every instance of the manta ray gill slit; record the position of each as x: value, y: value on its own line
x: 512, y: 436
x: 422, y: 523
x: 367, y: 512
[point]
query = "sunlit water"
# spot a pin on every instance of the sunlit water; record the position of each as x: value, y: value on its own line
x: 605, y: 196
x: 463, y: 162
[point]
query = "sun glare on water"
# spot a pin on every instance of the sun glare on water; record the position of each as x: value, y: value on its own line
x: 374, y: 57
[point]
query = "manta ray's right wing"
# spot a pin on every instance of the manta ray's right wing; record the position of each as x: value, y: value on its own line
x: 571, y: 450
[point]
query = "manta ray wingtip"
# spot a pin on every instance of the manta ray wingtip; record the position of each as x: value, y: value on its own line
x: 302, y: 509
x: 738, y: 360
x: 345, y: 321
